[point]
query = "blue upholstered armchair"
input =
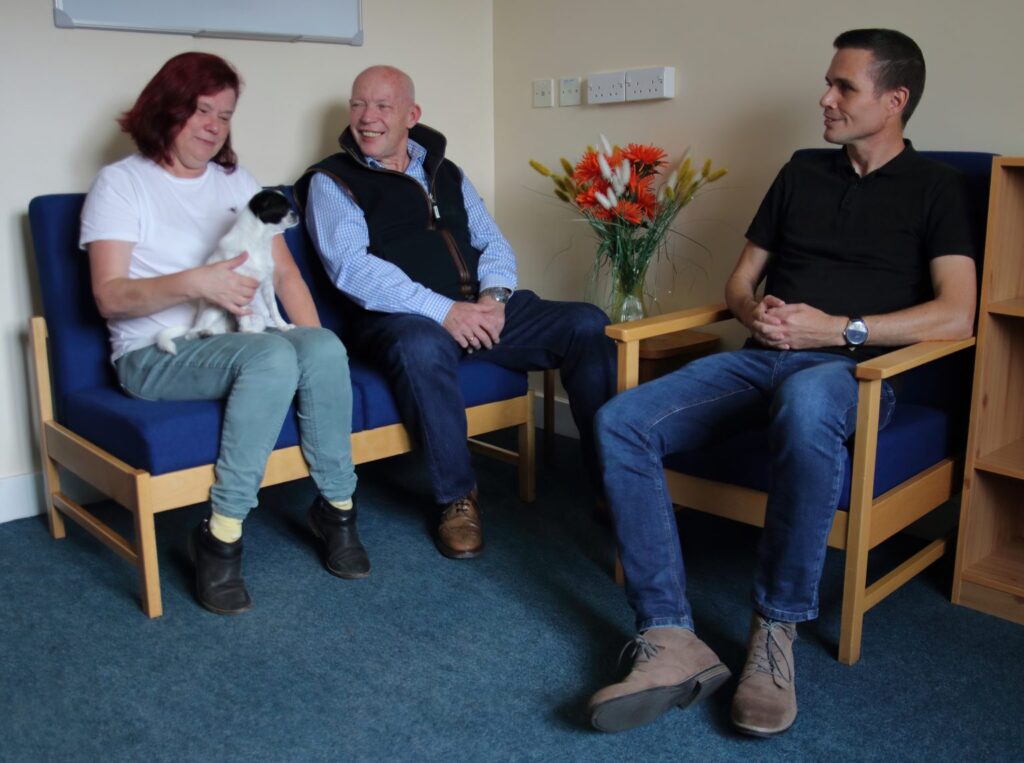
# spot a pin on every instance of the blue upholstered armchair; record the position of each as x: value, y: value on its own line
x: 893, y: 478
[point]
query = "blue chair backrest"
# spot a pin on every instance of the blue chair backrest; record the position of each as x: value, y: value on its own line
x: 79, y: 344
x: 329, y: 301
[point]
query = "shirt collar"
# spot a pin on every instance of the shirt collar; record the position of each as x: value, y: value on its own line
x: 417, y: 154
x: 895, y: 166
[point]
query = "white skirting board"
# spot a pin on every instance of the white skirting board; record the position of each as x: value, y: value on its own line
x: 21, y: 496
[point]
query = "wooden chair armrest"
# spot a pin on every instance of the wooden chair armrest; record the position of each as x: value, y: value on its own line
x: 645, y: 328
x: 905, y: 358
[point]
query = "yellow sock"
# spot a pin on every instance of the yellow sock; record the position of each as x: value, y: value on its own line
x: 342, y: 505
x: 225, y: 529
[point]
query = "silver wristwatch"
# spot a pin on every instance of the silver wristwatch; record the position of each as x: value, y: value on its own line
x: 856, y: 332
x: 497, y: 293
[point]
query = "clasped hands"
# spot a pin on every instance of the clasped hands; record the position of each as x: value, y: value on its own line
x: 476, y: 325
x: 780, y: 326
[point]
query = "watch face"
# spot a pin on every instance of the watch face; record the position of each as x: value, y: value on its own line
x: 856, y: 333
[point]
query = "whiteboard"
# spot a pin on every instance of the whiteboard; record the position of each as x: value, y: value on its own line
x: 337, y: 21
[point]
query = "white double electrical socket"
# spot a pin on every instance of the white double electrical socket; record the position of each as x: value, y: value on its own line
x: 648, y: 84
x: 606, y: 87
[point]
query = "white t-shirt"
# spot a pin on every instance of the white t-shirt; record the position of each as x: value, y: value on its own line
x: 175, y: 224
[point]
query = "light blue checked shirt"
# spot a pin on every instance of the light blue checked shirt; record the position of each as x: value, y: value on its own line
x: 338, y: 229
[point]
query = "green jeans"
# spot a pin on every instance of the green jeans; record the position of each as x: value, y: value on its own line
x: 258, y: 375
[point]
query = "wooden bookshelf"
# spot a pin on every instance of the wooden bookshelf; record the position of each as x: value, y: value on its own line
x: 989, y: 574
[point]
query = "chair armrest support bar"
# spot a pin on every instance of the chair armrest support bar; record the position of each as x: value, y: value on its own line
x: 645, y: 328
x: 905, y: 358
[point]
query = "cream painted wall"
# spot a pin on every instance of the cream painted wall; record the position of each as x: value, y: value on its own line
x: 63, y: 88
x: 749, y: 76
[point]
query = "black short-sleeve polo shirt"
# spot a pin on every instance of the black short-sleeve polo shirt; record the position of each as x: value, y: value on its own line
x: 851, y: 245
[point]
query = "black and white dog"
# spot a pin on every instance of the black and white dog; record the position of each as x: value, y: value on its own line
x: 267, y: 214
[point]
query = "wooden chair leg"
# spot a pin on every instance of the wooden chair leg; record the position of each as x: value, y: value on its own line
x: 43, y: 403
x: 858, y: 532
x: 528, y: 456
x: 854, y: 607
x: 620, y: 574
x: 51, y: 486
x: 145, y: 548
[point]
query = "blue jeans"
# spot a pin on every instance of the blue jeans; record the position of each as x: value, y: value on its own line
x: 259, y: 375
x: 420, y: 359
x: 809, y: 400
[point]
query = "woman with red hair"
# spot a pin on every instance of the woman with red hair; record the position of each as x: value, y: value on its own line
x: 149, y: 223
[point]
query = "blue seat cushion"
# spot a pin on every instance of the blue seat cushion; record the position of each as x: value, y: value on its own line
x: 917, y: 437
x: 480, y: 382
x: 165, y: 436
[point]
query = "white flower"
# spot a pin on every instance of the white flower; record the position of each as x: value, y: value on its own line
x: 606, y: 171
x: 606, y: 144
x: 625, y: 170
x: 603, y: 200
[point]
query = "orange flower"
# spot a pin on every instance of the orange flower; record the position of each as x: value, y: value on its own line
x: 586, y: 200
x: 587, y: 169
x: 629, y: 211
x: 648, y: 157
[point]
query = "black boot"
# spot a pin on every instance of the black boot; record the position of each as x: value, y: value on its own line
x: 344, y: 555
x: 219, y: 584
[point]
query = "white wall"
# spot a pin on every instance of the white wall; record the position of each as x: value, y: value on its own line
x: 749, y: 77
x: 62, y: 90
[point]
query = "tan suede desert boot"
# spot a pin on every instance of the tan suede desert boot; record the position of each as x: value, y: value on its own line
x: 671, y: 668
x: 765, y: 699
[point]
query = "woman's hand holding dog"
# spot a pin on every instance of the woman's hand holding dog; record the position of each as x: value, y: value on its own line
x: 220, y: 285
x: 118, y: 296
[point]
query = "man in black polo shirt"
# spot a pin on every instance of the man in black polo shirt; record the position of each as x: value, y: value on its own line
x: 863, y: 249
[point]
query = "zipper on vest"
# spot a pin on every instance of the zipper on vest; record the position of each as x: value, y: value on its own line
x: 433, y: 214
x: 453, y: 249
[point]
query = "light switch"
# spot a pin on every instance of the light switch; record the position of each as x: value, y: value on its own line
x: 569, y: 91
x: 543, y: 93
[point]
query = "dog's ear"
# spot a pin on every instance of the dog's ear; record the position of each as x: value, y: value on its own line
x: 270, y: 206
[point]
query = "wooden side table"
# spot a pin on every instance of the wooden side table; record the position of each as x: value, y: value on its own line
x: 658, y: 356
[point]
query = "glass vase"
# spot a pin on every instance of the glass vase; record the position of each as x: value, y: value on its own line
x: 627, y: 300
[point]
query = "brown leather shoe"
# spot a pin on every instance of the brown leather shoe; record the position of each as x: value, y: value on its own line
x: 765, y: 701
x: 671, y: 668
x: 460, y: 534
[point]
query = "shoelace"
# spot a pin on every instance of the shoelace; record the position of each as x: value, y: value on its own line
x: 461, y: 506
x: 636, y: 650
x: 769, y: 656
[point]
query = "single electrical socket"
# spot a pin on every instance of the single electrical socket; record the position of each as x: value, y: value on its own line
x: 606, y: 87
x: 648, y: 84
x: 543, y: 93
x: 569, y: 91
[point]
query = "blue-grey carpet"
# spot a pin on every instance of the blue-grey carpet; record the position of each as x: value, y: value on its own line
x: 432, y: 659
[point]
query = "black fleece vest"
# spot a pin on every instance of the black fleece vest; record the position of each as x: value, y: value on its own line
x: 426, y: 235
